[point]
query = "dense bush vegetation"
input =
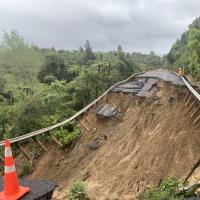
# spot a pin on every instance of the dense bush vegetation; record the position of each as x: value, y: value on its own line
x: 186, y: 51
x: 40, y: 87
x: 67, y: 134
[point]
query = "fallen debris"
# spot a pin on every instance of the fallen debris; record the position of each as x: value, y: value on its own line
x: 94, y: 145
x: 106, y: 111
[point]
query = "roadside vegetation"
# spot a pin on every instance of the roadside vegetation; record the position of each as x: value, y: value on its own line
x: 185, y: 52
x: 67, y: 134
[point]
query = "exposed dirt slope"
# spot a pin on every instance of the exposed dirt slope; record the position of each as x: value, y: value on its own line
x: 151, y: 139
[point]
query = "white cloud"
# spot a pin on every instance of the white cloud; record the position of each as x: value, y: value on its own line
x: 137, y: 25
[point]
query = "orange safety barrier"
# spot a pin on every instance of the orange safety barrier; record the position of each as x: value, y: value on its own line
x: 180, y: 71
x: 12, y: 189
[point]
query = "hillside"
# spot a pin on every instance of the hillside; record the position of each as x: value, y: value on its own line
x: 136, y: 149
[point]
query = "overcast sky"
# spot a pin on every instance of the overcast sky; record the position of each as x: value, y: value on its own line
x: 137, y: 25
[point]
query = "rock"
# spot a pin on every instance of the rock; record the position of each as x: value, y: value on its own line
x: 94, y: 145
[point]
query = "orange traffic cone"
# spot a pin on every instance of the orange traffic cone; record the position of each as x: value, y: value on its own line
x: 12, y: 189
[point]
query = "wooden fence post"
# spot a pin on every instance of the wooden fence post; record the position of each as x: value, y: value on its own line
x: 23, y: 152
x: 55, y: 140
x: 39, y: 143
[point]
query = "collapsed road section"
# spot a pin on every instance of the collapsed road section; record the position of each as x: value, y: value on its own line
x: 120, y: 154
x: 144, y: 83
x: 135, y: 132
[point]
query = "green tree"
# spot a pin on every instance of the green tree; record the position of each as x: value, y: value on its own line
x: 48, y: 79
x: 18, y: 60
x: 28, y: 116
x: 119, y: 48
x: 89, y: 55
x: 194, y: 44
x: 186, y: 50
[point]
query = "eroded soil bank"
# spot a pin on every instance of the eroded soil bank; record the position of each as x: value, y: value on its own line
x: 148, y: 140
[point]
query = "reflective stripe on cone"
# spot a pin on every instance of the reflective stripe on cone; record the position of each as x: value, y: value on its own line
x: 8, y: 152
x: 9, y: 169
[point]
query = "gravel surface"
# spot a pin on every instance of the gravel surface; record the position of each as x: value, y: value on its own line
x: 38, y: 188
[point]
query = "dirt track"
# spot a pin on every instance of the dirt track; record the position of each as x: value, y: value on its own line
x: 148, y: 142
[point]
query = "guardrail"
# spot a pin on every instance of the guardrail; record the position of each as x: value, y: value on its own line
x: 192, y: 90
x: 191, y: 99
x: 47, y: 129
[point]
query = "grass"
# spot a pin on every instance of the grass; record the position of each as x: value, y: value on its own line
x: 78, y: 191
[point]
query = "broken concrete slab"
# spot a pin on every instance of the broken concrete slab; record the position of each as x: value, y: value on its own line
x: 106, y: 111
x: 151, y: 82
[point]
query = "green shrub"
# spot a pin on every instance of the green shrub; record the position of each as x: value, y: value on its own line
x: 77, y: 191
x: 168, y: 190
x: 48, y: 79
x: 67, y: 134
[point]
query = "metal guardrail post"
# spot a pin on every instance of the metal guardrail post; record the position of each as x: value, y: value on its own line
x: 196, y: 95
x: 186, y: 97
x: 195, y: 111
x: 188, y: 100
x: 55, y: 140
x: 24, y: 152
x: 191, y: 105
x: 39, y: 143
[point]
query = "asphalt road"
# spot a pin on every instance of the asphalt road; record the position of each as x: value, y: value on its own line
x: 38, y: 188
